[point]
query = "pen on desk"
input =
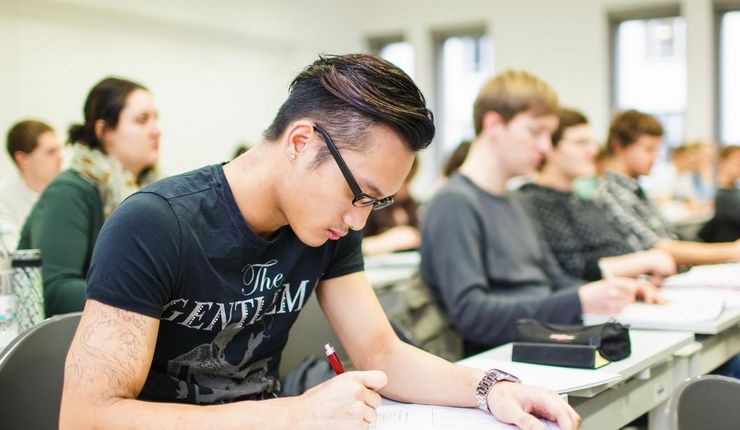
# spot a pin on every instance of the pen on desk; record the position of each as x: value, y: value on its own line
x: 333, y: 358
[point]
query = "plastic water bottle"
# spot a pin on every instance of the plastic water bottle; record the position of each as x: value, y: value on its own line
x: 28, y: 288
x: 8, y: 324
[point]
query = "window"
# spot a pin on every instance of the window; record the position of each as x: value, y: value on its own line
x: 464, y: 63
x: 729, y: 83
x: 397, y: 52
x: 650, y: 71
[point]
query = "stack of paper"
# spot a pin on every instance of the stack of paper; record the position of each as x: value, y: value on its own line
x: 399, y: 416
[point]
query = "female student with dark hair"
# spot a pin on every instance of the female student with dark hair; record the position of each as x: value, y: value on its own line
x: 585, y: 243
x: 113, y: 153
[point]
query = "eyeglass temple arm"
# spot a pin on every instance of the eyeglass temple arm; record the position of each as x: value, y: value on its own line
x: 353, y: 185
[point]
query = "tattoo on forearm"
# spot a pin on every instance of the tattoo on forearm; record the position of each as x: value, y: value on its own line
x: 109, y: 353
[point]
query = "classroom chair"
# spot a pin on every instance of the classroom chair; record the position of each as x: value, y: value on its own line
x: 31, y: 374
x: 709, y: 402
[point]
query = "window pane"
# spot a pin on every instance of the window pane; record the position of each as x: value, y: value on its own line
x: 465, y: 63
x: 401, y: 54
x: 730, y: 84
x: 651, y: 71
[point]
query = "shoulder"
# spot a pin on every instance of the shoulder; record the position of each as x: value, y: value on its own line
x: 145, y: 206
x: 530, y: 193
x: 457, y: 192
x: 185, y: 184
x: 70, y: 181
x: 69, y: 189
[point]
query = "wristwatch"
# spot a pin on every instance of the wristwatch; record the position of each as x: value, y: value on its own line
x: 490, y: 379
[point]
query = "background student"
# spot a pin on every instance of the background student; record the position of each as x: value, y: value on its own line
x: 481, y: 255
x: 113, y: 153
x: 725, y: 225
x: 580, y: 236
x: 395, y: 228
x: 36, y: 151
x: 632, y: 146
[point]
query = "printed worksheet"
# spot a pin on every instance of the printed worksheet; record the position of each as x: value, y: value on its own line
x: 399, y: 416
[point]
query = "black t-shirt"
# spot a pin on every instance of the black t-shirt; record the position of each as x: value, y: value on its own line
x: 180, y: 251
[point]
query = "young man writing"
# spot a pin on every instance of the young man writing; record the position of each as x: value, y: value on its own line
x: 196, y: 281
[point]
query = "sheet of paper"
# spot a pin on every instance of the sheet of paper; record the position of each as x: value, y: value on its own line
x: 730, y: 297
x: 712, y: 276
x: 402, y: 259
x: 559, y: 379
x: 399, y: 416
x: 684, y: 307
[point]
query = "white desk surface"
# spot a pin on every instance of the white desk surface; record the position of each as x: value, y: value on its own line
x: 383, y: 270
x: 648, y: 349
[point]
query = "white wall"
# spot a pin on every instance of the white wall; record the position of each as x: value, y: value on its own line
x: 214, y: 86
x: 220, y: 69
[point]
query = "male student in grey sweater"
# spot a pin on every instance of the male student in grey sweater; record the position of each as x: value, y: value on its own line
x: 481, y: 255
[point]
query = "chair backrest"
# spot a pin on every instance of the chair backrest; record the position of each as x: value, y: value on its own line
x: 710, y: 402
x: 31, y: 374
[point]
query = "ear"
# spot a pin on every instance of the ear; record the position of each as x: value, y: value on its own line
x: 21, y: 159
x: 616, y: 146
x: 298, y: 137
x: 100, y: 131
x: 491, y: 121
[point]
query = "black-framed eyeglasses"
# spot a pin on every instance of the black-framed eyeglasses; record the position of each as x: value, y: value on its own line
x: 360, y: 199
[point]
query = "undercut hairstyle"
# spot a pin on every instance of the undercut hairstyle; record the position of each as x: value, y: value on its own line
x: 627, y: 127
x: 347, y: 95
x: 24, y: 137
x: 513, y: 92
x: 567, y: 118
x: 105, y: 101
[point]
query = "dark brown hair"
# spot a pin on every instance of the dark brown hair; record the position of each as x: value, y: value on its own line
x: 567, y: 118
x: 513, y: 92
x: 347, y: 94
x: 24, y: 136
x: 105, y: 101
x: 627, y: 127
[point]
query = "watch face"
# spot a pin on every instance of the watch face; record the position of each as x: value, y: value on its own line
x: 505, y: 376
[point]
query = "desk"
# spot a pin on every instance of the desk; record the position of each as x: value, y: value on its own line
x: 660, y: 361
x: 384, y: 270
x: 647, y: 380
x: 649, y: 348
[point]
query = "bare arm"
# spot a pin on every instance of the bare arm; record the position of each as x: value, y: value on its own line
x: 394, y: 239
x: 691, y: 253
x: 655, y: 262
x: 414, y: 375
x: 106, y: 367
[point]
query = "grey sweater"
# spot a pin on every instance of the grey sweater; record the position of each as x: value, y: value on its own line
x: 482, y: 258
